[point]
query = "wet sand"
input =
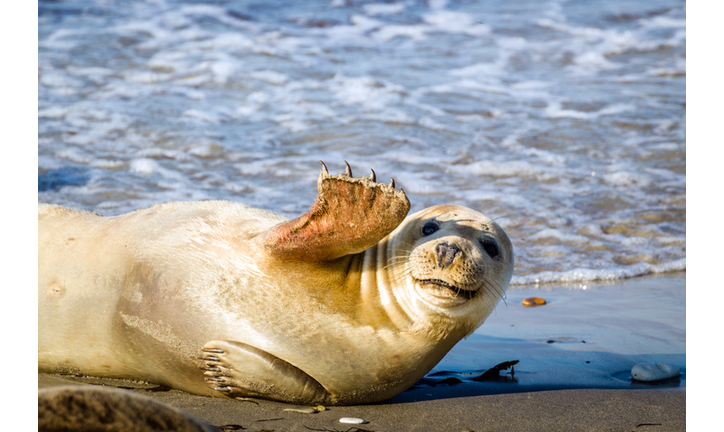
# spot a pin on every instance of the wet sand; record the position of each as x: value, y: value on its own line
x: 574, y: 355
x: 550, y: 410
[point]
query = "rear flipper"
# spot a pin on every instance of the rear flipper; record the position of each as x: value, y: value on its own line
x: 239, y: 370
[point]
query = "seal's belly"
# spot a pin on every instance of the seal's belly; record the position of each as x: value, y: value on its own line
x: 80, y: 278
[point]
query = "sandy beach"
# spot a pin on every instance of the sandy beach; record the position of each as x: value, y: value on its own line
x: 550, y: 410
x: 574, y: 354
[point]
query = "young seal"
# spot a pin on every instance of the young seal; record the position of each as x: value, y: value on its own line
x: 350, y: 303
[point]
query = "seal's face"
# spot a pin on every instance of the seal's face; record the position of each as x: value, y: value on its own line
x: 457, y: 257
x: 458, y: 264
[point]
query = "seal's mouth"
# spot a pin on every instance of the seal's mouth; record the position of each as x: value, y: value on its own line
x: 442, y: 289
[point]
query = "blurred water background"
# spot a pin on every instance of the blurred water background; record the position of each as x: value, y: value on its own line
x: 563, y: 120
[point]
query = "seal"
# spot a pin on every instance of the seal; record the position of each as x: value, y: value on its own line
x: 349, y: 303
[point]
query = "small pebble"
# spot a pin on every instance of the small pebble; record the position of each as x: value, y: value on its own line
x: 654, y: 371
x: 533, y: 302
x: 352, y: 420
x: 308, y: 410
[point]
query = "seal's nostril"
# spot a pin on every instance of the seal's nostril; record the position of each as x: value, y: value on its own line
x: 446, y: 253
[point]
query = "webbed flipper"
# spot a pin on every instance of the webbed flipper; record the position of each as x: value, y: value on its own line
x: 349, y: 216
x: 240, y: 370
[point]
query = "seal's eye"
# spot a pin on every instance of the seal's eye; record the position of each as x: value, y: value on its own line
x: 491, y: 248
x: 429, y: 228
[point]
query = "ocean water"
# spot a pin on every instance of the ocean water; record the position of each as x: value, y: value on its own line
x: 563, y: 120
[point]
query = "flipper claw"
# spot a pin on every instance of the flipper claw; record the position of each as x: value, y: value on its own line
x: 392, y: 183
x: 347, y: 169
x: 325, y: 171
x: 373, y: 176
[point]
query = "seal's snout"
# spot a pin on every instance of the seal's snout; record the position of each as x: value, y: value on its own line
x: 446, y: 253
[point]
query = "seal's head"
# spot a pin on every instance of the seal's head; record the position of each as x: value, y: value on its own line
x: 456, y: 265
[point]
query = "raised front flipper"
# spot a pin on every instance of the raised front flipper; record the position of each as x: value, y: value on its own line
x: 348, y: 216
x: 239, y: 370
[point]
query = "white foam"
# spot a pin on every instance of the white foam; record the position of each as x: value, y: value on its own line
x: 203, y: 9
x: 479, y: 70
x: 390, y: 32
x: 269, y: 76
x: 291, y: 122
x: 658, y: 22
x: 364, y: 91
x: 502, y: 169
x: 224, y: 41
x: 635, y: 241
x: 75, y: 155
x: 62, y: 84
x: 555, y: 110
x: 54, y: 112
x: 144, y: 166
x: 144, y: 77
x: 605, y: 274
x: 63, y: 39
x: 48, y: 163
x: 473, y: 118
x: 108, y: 164
x: 206, y: 150
x: 393, y: 115
x: 161, y: 153
x: 383, y: 8
x: 592, y: 60
x: 559, y: 235
x: 455, y: 22
x: 433, y: 124
x: 623, y: 178
x: 98, y: 75
x: 223, y: 69
x: 204, y: 116
x: 364, y: 24
x: 121, y: 89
